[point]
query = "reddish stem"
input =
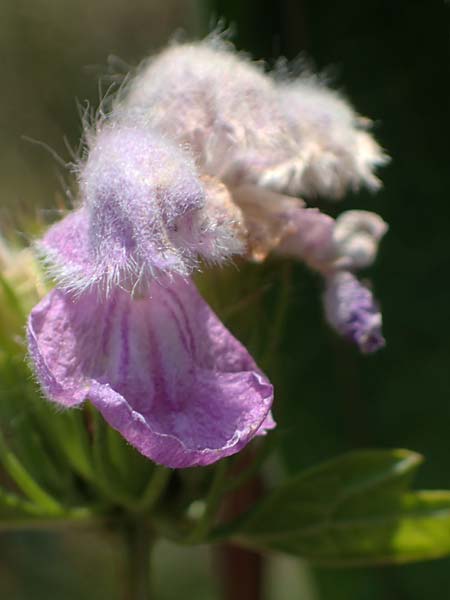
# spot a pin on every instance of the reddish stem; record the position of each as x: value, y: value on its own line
x: 241, y: 571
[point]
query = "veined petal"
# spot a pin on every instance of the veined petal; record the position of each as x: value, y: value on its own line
x: 140, y: 190
x: 162, y: 370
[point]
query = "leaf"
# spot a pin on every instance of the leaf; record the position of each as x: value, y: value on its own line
x: 355, y: 509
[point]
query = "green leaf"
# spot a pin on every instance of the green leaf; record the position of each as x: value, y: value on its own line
x: 355, y: 509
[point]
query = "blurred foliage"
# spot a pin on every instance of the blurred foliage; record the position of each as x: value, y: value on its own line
x: 355, y: 509
x: 54, y: 52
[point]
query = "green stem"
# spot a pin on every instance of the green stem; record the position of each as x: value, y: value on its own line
x: 25, y: 481
x: 155, y: 488
x: 279, y: 317
x: 138, y: 539
x: 107, y: 480
x: 245, y: 474
x: 213, y: 502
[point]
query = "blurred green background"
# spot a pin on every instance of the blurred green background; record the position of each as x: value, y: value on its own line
x: 391, y: 58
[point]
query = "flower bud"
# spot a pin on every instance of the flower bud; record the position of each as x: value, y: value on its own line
x: 352, y: 311
x: 356, y: 236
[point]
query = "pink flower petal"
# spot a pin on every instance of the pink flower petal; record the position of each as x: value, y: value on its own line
x: 162, y: 370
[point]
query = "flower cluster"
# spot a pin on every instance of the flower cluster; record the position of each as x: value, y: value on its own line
x: 203, y: 157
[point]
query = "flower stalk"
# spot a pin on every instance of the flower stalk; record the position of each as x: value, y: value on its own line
x: 139, y: 541
x: 241, y: 570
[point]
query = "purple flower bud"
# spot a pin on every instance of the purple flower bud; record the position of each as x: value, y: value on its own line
x: 352, y: 311
x: 283, y: 225
x: 162, y: 370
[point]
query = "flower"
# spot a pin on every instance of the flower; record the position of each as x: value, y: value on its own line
x: 266, y: 137
x: 334, y: 248
x: 144, y: 212
x: 126, y: 328
x: 352, y: 311
x: 217, y: 101
x: 161, y: 369
x: 193, y: 164
x: 290, y: 134
x: 336, y: 152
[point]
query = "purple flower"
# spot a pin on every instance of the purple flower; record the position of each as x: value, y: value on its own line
x: 266, y: 136
x: 352, y: 311
x: 331, y: 247
x: 145, y: 212
x: 162, y: 370
x: 126, y: 329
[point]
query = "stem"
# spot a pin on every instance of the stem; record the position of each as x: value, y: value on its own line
x: 139, y: 541
x: 154, y: 489
x: 26, y: 483
x: 241, y: 571
x: 245, y: 471
x: 213, y: 502
x: 279, y: 317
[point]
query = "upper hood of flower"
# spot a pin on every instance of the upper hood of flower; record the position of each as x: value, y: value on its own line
x: 291, y: 134
x: 145, y: 212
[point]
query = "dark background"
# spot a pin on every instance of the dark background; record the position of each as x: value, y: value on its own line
x: 391, y: 58
x: 392, y: 61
